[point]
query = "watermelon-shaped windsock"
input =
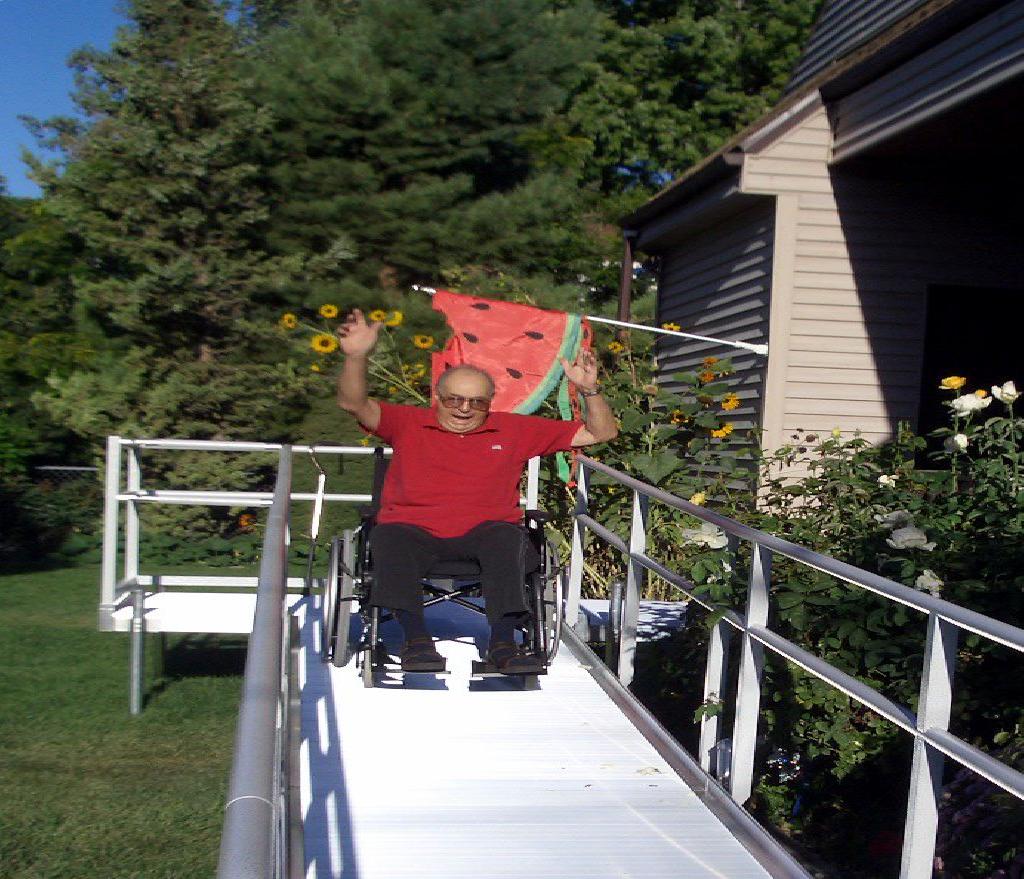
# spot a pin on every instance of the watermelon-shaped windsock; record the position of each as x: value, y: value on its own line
x: 518, y: 345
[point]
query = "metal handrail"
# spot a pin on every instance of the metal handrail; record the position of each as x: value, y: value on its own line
x: 251, y: 846
x: 1005, y: 633
x: 929, y: 726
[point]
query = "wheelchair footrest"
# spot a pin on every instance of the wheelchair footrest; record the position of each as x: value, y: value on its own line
x: 489, y: 670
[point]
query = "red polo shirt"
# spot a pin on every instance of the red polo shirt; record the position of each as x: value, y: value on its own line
x: 448, y: 483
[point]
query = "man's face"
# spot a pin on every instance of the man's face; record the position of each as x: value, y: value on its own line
x: 463, y: 386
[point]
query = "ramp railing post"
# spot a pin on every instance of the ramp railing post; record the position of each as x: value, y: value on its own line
x: 136, y: 686
x: 131, y: 522
x: 748, y: 693
x: 715, y: 674
x: 636, y: 576
x: 108, y: 570
x: 572, y: 599
x: 934, y: 708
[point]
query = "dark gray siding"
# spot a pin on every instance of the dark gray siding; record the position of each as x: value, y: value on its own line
x: 984, y: 56
x: 843, y: 26
x: 718, y: 283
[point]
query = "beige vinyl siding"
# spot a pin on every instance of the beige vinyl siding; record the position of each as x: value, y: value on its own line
x: 863, y: 251
x: 853, y: 338
x: 718, y: 283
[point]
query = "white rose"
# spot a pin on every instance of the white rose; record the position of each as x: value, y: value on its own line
x: 929, y: 582
x: 909, y: 538
x: 887, y: 480
x: 955, y: 443
x: 1005, y: 394
x: 707, y: 535
x: 895, y: 519
x: 968, y: 403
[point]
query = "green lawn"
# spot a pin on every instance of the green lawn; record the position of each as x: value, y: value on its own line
x: 89, y: 791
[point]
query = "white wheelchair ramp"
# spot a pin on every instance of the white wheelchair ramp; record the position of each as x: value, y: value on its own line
x: 450, y: 777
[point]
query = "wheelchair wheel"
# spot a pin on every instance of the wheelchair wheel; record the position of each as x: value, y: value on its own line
x: 330, y: 601
x: 342, y: 649
x: 552, y: 597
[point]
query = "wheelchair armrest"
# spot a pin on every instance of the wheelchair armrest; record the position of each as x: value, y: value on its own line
x: 538, y: 516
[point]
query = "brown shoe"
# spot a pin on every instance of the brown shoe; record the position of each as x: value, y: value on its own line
x: 419, y: 654
x: 508, y: 659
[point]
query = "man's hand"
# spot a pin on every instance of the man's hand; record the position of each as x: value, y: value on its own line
x: 583, y: 373
x: 356, y: 336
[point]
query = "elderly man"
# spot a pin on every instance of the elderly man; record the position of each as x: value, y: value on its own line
x: 452, y: 490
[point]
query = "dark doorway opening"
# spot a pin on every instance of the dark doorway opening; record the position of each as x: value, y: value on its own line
x: 969, y: 331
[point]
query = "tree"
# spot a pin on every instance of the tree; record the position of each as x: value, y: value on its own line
x: 672, y: 82
x: 168, y: 213
x: 160, y: 191
x: 394, y: 122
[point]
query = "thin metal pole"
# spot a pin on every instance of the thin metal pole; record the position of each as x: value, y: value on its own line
x: 748, y: 346
x: 136, y: 686
x: 934, y: 708
x: 626, y: 274
x: 108, y: 571
x: 748, y: 694
x: 636, y: 576
x: 572, y: 599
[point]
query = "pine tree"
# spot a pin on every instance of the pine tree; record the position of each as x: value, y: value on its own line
x: 395, y: 122
x: 161, y: 192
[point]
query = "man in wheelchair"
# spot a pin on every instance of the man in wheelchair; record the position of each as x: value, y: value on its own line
x: 452, y: 491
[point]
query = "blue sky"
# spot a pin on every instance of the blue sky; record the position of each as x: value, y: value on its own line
x: 36, y: 37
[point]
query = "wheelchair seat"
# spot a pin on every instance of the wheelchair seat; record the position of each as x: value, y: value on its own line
x: 455, y: 568
x: 350, y: 580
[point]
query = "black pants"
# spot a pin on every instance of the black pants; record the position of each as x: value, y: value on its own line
x: 402, y: 555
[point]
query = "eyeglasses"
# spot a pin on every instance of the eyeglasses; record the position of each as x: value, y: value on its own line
x: 454, y: 401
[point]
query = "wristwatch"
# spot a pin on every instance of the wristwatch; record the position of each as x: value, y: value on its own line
x: 592, y: 393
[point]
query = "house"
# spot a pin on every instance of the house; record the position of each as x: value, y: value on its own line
x: 868, y: 229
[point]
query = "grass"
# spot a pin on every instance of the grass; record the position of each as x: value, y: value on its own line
x: 90, y: 791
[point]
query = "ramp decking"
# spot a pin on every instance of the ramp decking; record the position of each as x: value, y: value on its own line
x: 448, y: 777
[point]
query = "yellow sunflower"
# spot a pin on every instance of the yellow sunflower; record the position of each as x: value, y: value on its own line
x: 315, y: 367
x: 328, y: 310
x: 323, y: 343
x: 616, y: 347
x: 952, y: 383
x: 706, y: 376
x: 670, y: 326
x: 246, y: 521
x: 418, y: 371
x: 289, y: 321
x: 730, y: 402
x: 422, y: 341
x: 378, y: 314
x: 395, y: 320
x: 710, y: 361
x: 981, y: 393
x: 723, y: 431
x: 698, y: 498
x: 678, y: 416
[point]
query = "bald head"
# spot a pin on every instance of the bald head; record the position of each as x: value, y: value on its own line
x: 456, y: 372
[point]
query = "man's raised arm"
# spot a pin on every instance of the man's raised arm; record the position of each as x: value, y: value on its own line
x: 357, y: 339
x: 600, y: 424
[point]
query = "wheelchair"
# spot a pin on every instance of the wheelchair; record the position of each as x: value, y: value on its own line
x: 349, y: 581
